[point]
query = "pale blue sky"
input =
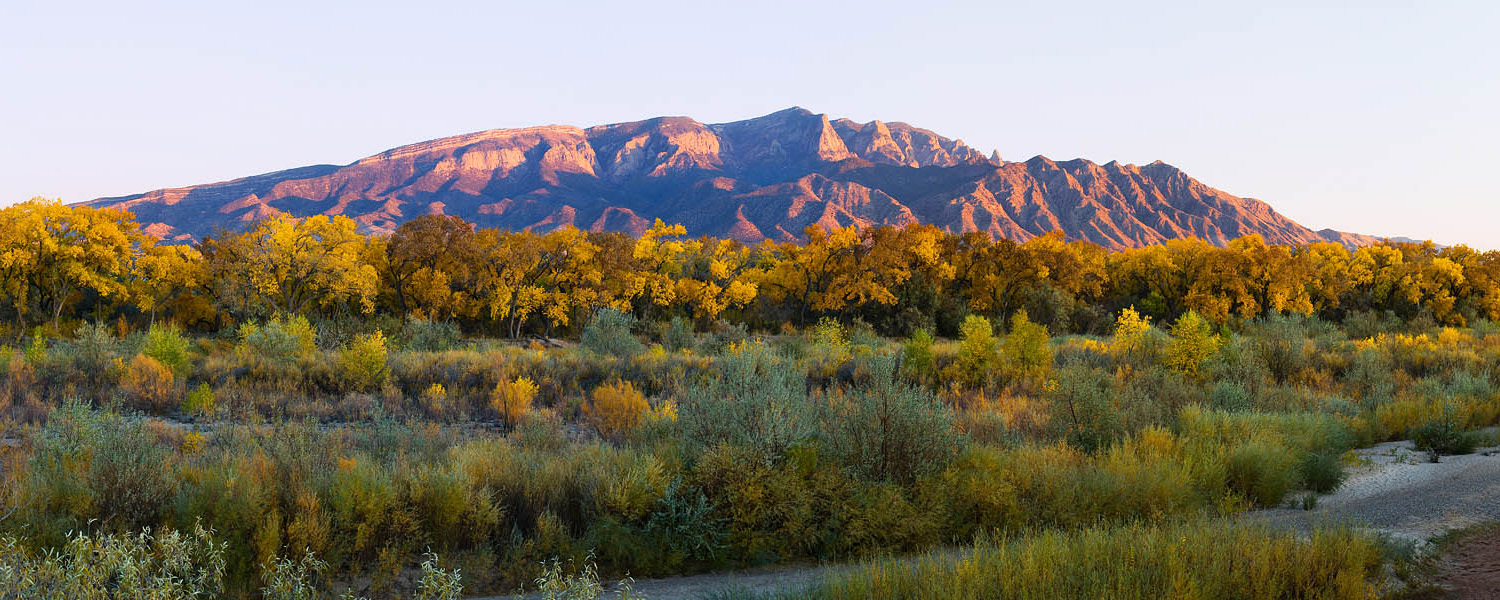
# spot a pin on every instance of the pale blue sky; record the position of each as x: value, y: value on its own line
x: 1374, y: 117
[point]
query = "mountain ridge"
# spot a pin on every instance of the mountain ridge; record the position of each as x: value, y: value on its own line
x: 758, y: 178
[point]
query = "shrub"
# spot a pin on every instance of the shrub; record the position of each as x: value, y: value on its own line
x: 435, y: 399
x: 512, y: 400
x: 363, y: 361
x: 726, y: 335
x: 422, y: 335
x: 167, y: 565
x: 167, y: 345
x: 92, y: 349
x: 615, y: 409
x: 1322, y: 472
x: 201, y: 401
x: 437, y: 583
x: 1442, y: 437
x: 148, y: 384
x: 1230, y: 396
x: 887, y: 430
x: 282, y: 341
x: 554, y: 584
x: 89, y: 465
x: 916, y: 356
x: 1026, y: 352
x: 678, y: 335
x: 287, y: 579
x: 758, y: 402
x: 977, y: 352
x: 1133, y: 340
x: 1280, y: 343
x: 1082, y: 411
x: 1193, y: 343
x: 1261, y: 472
x: 609, y: 334
x: 36, y: 351
x: 827, y: 348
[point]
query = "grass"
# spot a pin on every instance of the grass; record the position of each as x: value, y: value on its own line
x: 1188, y: 560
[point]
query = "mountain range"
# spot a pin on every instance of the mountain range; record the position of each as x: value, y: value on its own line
x: 766, y: 177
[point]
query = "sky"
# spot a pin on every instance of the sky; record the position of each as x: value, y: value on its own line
x: 1374, y: 117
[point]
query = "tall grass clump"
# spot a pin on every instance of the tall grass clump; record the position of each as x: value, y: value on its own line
x: 1197, y: 559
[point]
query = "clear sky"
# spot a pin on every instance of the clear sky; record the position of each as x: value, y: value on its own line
x: 1374, y: 117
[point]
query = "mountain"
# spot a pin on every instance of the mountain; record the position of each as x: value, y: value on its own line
x: 767, y: 177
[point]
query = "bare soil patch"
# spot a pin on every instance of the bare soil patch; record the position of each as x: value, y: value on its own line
x: 1469, y: 568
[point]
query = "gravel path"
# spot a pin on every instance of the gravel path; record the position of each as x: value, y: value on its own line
x: 1401, y: 492
x: 1395, y: 489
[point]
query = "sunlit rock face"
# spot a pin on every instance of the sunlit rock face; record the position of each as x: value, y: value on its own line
x: 766, y: 177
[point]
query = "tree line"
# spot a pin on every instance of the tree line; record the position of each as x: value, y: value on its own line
x: 60, y: 263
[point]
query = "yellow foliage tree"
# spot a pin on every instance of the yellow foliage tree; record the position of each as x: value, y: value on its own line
x: 290, y: 266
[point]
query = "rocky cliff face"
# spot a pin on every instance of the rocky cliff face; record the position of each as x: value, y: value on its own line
x: 767, y: 177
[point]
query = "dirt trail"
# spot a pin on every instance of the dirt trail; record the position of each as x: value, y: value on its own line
x: 1396, y: 490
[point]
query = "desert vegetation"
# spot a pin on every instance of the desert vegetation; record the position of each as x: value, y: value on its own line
x: 300, y: 411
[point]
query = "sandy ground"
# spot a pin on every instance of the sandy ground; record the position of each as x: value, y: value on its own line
x: 1393, y: 488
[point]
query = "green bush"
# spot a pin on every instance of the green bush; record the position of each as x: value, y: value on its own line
x: 1230, y: 396
x: 201, y: 402
x: 1443, y: 437
x: 977, y: 352
x: 281, y: 341
x: 1262, y: 472
x: 609, y: 334
x: 1280, y: 343
x: 1026, y: 353
x: 917, y: 358
x: 166, y: 344
x: 95, y: 466
x: 1321, y: 472
x: 422, y: 335
x: 92, y: 349
x: 1082, y: 411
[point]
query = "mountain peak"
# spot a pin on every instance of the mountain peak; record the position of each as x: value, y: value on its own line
x: 768, y: 176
